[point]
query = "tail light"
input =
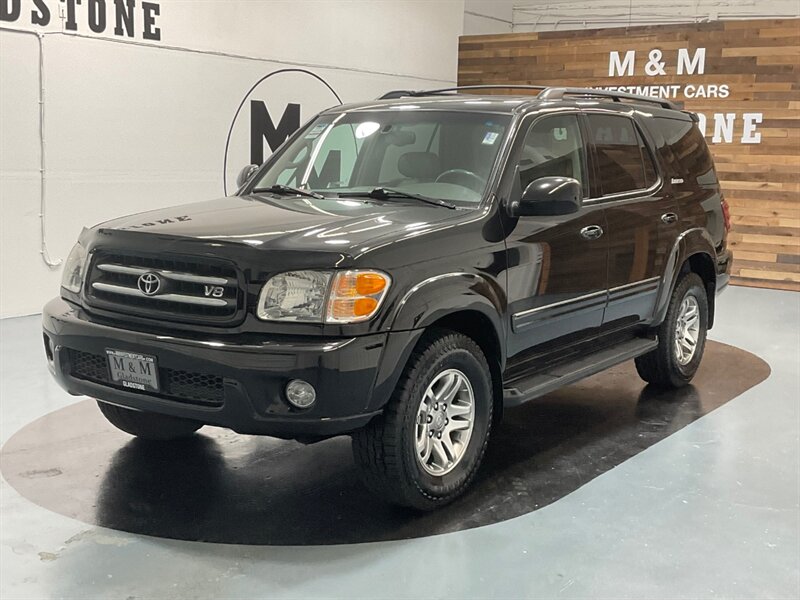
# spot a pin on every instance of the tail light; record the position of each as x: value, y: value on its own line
x: 726, y: 214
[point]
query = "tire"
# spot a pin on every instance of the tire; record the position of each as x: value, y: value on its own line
x: 663, y: 367
x: 147, y: 425
x: 386, y: 450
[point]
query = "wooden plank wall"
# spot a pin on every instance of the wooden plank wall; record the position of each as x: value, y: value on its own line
x: 759, y: 61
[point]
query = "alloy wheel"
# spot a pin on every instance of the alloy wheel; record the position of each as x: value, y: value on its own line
x: 444, y: 423
x: 687, y: 330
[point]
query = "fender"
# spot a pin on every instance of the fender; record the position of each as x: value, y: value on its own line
x: 424, y: 304
x: 441, y: 295
x: 692, y: 241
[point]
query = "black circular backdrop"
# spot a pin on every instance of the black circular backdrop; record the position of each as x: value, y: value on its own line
x: 228, y: 488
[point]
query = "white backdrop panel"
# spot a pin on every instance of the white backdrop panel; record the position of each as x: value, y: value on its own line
x: 131, y: 128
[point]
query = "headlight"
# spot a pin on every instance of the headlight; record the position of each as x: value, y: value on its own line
x: 294, y: 296
x: 74, y: 269
x: 317, y: 296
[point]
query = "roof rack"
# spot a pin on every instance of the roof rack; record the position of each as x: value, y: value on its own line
x: 545, y: 93
x: 557, y: 93
x: 418, y: 93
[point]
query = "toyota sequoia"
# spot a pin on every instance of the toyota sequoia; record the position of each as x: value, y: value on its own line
x: 401, y: 271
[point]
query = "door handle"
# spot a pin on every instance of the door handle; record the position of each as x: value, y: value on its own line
x: 668, y: 218
x: 591, y: 232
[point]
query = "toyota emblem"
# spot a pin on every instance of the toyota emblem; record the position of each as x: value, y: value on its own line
x: 149, y: 283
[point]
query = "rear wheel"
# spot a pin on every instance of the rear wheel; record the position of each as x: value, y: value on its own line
x: 147, y: 425
x: 425, y: 448
x: 681, y: 337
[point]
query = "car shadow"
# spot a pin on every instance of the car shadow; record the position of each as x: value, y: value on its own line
x: 222, y: 487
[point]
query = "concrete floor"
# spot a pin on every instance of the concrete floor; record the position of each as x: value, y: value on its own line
x: 712, y: 511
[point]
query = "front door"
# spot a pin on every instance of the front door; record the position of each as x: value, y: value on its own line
x: 557, y: 264
x: 641, y: 217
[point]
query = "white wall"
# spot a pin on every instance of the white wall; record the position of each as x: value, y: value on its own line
x: 552, y: 15
x: 130, y: 127
x: 488, y: 16
x: 518, y: 16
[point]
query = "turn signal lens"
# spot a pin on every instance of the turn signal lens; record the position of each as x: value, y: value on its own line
x: 344, y: 309
x: 356, y: 296
x: 352, y: 283
x: 370, y: 283
x: 364, y: 306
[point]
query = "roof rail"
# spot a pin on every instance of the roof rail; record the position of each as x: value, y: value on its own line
x: 557, y: 93
x: 418, y: 93
x: 545, y: 93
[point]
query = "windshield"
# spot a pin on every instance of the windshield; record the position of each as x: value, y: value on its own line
x: 437, y: 154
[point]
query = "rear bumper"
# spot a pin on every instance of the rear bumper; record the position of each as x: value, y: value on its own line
x: 724, y: 263
x: 351, y: 386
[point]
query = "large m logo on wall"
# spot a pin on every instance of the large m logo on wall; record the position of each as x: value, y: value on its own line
x: 276, y: 103
x: 262, y: 128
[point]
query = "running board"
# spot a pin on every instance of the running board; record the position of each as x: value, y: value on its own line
x: 527, y: 388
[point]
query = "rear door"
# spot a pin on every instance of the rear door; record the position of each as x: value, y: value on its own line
x: 642, y: 217
x: 557, y: 264
x: 692, y: 179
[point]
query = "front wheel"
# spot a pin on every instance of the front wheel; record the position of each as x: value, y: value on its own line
x: 426, y: 447
x: 681, y: 337
x: 147, y: 425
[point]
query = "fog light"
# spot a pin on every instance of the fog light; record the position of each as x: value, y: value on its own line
x: 300, y: 393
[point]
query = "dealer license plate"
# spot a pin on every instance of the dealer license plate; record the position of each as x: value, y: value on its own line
x: 132, y: 370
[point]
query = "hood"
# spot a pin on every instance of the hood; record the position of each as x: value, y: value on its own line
x: 290, y: 223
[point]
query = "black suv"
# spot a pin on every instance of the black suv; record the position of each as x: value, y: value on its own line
x: 401, y: 270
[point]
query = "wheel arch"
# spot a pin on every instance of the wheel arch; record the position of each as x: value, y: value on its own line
x: 442, y: 295
x: 467, y: 303
x: 702, y: 264
x: 693, y: 252
x: 478, y: 327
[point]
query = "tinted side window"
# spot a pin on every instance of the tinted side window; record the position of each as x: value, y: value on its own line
x: 650, y: 175
x: 687, y: 150
x: 553, y: 147
x: 624, y: 161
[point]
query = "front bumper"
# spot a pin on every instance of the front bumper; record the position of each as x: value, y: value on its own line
x: 347, y: 373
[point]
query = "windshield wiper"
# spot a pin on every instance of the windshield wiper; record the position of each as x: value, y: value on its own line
x: 283, y: 190
x: 382, y: 193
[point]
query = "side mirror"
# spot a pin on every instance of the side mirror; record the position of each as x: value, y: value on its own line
x: 549, y: 196
x: 245, y: 174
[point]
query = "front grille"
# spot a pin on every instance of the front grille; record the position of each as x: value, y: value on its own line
x: 182, y: 386
x: 189, y: 289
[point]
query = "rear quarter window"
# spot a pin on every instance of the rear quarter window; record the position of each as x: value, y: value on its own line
x: 686, y: 152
